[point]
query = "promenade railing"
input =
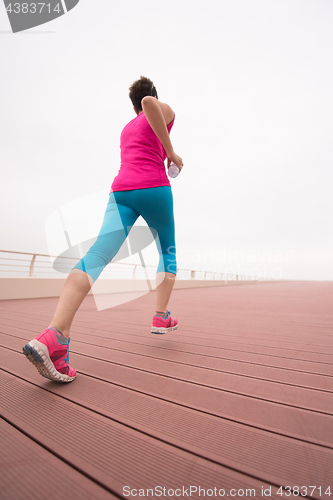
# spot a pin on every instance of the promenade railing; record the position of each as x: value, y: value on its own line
x: 33, y: 265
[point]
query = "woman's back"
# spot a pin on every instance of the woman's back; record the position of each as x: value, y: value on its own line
x: 142, y: 156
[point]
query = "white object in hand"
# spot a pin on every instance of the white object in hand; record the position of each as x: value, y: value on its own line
x: 173, y: 170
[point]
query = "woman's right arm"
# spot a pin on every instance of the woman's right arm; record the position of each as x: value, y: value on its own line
x: 157, y: 115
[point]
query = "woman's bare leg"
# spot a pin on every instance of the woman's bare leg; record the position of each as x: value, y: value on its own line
x: 76, y: 287
x: 78, y: 284
x: 164, y: 286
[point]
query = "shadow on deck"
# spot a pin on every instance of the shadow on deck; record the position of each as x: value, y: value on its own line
x: 238, y: 401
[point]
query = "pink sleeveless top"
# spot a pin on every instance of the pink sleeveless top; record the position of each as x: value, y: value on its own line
x: 142, y: 157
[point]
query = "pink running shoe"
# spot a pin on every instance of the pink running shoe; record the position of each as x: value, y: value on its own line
x: 163, y: 325
x: 49, y: 353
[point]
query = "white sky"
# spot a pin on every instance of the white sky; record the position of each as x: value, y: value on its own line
x: 251, y: 85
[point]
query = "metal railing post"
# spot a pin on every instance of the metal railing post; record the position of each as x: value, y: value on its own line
x: 32, y: 265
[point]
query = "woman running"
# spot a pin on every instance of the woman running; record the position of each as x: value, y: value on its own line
x: 140, y: 188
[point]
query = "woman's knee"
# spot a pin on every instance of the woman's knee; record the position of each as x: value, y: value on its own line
x: 167, y: 263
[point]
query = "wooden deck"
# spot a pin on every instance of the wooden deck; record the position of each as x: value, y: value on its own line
x: 239, y: 398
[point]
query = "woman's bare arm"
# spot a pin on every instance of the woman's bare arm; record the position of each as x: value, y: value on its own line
x: 157, y: 115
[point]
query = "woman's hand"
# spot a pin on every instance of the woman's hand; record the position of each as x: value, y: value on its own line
x: 176, y: 159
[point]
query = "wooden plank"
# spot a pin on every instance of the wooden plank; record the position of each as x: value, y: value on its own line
x: 247, y: 449
x: 113, y: 454
x: 307, y: 426
x: 153, y: 348
x: 30, y: 471
x: 254, y: 388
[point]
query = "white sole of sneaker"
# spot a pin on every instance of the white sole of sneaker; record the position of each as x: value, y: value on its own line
x: 162, y: 330
x: 38, y: 354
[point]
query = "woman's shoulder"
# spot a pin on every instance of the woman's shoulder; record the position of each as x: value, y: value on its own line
x: 167, y: 111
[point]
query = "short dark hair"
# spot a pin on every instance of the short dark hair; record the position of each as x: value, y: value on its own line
x: 140, y: 89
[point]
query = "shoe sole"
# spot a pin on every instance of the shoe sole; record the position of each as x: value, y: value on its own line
x: 38, y: 354
x: 163, y: 330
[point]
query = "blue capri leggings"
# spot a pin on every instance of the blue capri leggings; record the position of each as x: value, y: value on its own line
x: 155, y: 205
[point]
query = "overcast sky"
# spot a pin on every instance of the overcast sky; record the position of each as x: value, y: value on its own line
x: 251, y: 84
